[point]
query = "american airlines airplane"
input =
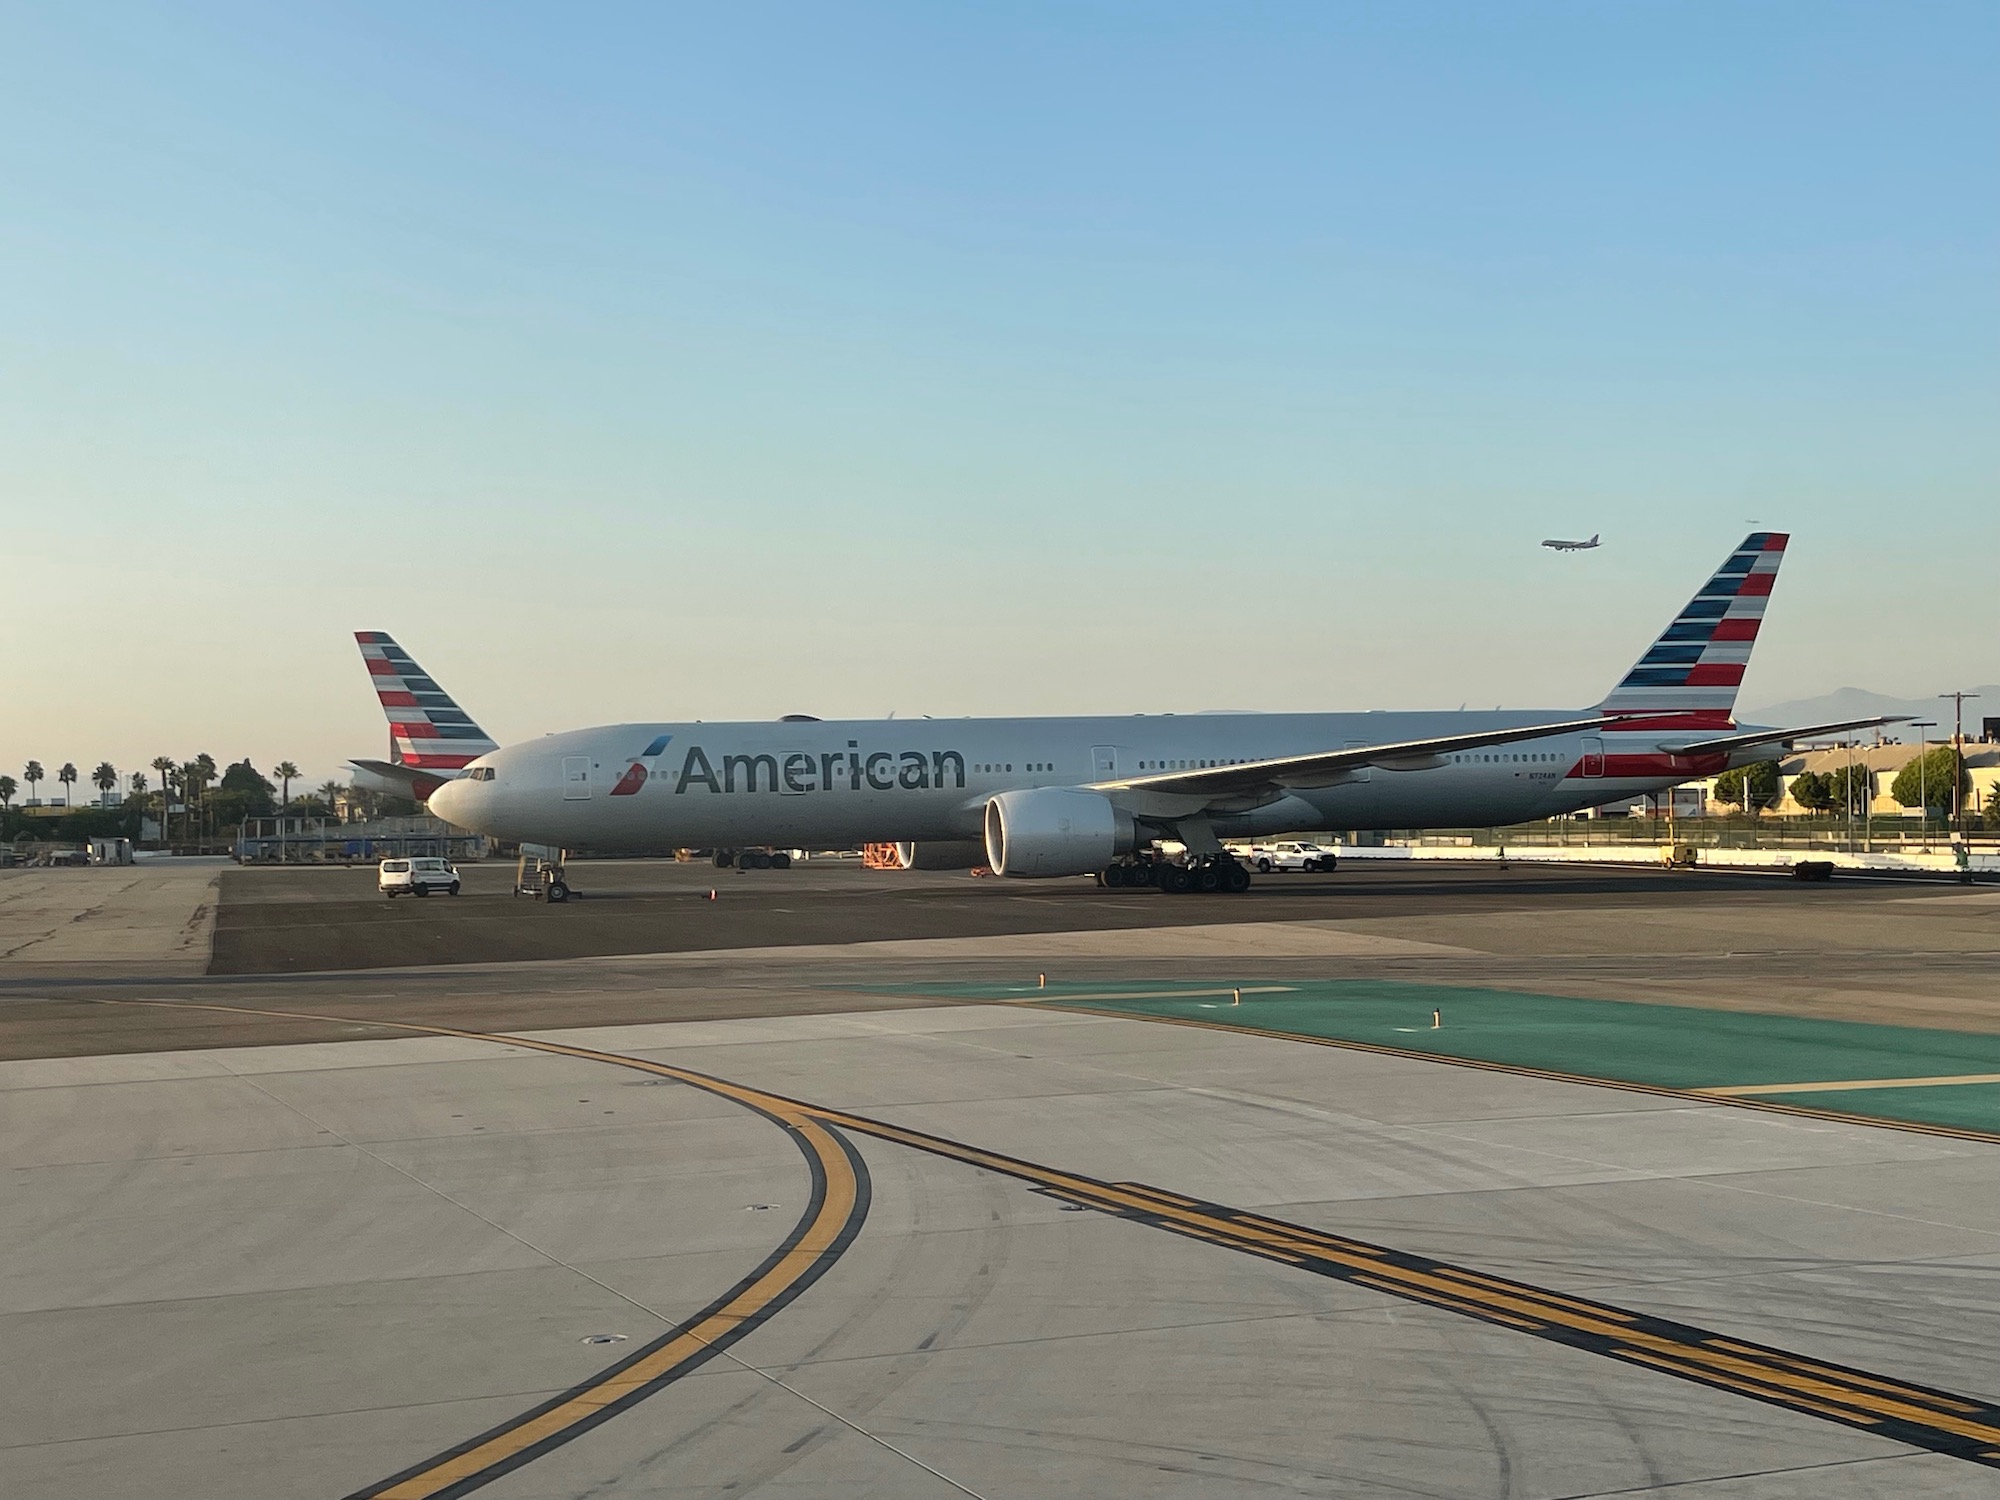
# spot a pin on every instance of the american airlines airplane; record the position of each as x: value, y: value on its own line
x: 1557, y: 544
x: 1034, y: 797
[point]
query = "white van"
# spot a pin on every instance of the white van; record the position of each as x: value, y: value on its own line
x: 419, y: 876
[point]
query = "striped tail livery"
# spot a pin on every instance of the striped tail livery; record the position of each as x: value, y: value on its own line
x: 1688, y: 680
x: 427, y: 731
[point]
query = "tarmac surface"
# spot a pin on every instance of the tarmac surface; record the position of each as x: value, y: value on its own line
x: 918, y: 1185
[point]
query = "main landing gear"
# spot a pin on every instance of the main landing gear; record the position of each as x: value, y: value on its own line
x: 1211, y: 875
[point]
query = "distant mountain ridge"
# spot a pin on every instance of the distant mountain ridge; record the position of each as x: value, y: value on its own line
x: 1859, y: 703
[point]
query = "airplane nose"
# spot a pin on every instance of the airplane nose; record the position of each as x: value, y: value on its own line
x: 453, y: 802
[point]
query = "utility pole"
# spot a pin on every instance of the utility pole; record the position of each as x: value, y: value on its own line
x: 1958, y: 757
x: 1923, y: 753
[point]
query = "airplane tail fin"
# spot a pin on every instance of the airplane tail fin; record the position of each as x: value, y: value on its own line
x: 1593, y: 539
x: 426, y: 728
x: 1693, y: 670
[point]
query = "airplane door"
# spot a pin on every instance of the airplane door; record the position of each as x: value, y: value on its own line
x: 1103, y: 762
x: 1593, y: 756
x: 576, y: 778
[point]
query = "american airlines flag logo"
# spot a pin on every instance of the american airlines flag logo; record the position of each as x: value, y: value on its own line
x: 637, y: 773
x: 426, y: 728
x: 1694, y: 669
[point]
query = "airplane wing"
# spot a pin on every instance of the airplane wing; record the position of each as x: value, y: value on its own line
x: 1325, y: 767
x: 1783, y: 737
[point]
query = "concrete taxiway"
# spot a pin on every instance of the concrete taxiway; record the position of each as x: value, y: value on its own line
x: 872, y: 1214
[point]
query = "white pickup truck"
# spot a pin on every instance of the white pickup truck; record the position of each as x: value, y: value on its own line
x: 1291, y: 854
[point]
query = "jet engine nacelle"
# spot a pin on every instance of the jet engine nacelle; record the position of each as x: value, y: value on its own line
x: 1054, y: 831
x: 955, y: 854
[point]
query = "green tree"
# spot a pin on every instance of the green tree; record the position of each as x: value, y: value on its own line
x: 1763, y: 782
x: 1811, y: 791
x: 242, y: 793
x: 32, y: 773
x: 138, y: 783
x: 105, y: 777
x: 286, y: 773
x: 328, y: 791
x: 1850, y: 789
x: 1928, y: 777
x: 8, y: 787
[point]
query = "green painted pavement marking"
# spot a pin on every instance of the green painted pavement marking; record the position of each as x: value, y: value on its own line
x: 1954, y: 1106
x: 1663, y: 1046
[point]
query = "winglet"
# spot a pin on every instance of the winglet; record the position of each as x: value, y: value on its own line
x: 1694, y: 668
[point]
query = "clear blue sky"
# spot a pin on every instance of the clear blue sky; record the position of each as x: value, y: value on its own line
x: 951, y: 359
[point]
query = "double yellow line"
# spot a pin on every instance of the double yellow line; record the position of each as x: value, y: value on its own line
x: 1922, y: 1417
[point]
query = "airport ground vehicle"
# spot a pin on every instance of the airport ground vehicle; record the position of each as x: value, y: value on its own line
x: 541, y: 876
x: 416, y: 877
x: 1103, y: 795
x: 1287, y: 854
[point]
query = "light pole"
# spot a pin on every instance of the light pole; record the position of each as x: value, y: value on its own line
x: 1958, y: 757
x: 1923, y: 754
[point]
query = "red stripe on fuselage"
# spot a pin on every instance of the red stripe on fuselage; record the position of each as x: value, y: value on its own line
x: 631, y: 781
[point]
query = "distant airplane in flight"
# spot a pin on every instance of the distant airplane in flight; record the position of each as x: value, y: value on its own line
x: 1558, y: 545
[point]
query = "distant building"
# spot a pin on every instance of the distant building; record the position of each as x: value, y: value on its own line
x: 1882, y: 762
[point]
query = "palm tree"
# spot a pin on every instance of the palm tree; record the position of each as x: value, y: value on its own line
x: 204, y: 765
x: 32, y: 773
x: 105, y: 777
x: 286, y: 773
x: 190, y: 799
x: 163, y: 766
x: 329, y: 790
x: 67, y: 776
x: 138, y: 783
x: 7, y: 788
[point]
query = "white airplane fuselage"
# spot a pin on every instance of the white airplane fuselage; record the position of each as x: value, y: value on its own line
x: 837, y: 784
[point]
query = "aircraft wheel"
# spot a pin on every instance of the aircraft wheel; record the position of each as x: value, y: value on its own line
x: 1145, y: 874
x: 1112, y: 876
x: 781, y: 861
x: 724, y: 858
x: 1239, y: 880
x: 1208, y: 880
x: 1173, y: 879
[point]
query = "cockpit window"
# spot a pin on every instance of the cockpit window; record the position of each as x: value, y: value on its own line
x: 479, y: 773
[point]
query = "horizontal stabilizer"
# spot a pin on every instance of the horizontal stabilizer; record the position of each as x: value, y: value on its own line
x: 1751, y: 738
x: 399, y: 778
